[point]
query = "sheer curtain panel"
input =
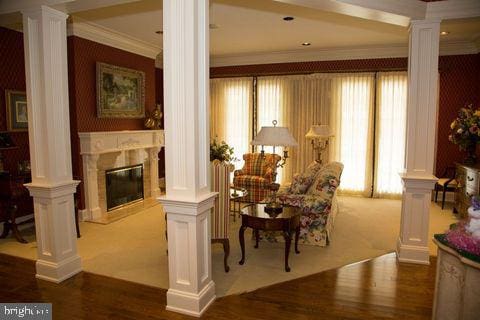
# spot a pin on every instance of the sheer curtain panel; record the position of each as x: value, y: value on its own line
x: 390, y: 132
x: 230, y: 113
x: 352, y: 122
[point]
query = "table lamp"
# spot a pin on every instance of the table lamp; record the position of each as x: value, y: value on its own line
x: 319, y: 135
x: 275, y: 136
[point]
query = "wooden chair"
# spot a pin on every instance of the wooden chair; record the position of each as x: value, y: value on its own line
x: 446, y: 183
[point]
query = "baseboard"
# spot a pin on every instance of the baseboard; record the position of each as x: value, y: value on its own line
x: 412, y: 254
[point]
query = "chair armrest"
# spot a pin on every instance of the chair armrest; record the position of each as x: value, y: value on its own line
x: 239, y: 172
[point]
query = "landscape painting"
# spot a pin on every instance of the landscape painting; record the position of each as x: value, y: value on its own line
x: 120, y: 92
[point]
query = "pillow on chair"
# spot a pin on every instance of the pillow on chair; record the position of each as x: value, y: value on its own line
x: 302, y: 181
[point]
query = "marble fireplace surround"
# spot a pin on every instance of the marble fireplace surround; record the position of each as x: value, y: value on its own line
x: 106, y: 150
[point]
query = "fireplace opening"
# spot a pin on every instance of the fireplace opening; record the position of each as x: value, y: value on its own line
x: 124, y: 185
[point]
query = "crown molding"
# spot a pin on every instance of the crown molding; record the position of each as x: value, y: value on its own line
x: 100, y: 34
x: 370, y: 52
x: 453, y: 9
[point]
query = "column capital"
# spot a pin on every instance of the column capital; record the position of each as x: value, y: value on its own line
x: 42, y: 9
x: 425, y: 22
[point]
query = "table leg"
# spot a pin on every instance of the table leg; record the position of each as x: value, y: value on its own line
x: 257, y: 237
x: 226, y: 251
x: 6, y: 230
x: 297, y: 234
x: 241, y: 236
x: 288, y: 240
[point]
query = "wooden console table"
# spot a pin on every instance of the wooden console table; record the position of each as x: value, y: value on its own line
x: 253, y: 216
x: 15, y: 202
x: 468, y: 178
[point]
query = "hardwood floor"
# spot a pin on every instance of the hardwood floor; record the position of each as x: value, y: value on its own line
x: 376, y: 289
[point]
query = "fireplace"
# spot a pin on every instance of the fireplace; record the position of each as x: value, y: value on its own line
x: 123, y: 186
x: 106, y: 156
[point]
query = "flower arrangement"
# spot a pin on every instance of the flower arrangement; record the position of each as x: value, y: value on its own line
x: 221, y: 151
x: 465, y: 131
x: 465, y: 235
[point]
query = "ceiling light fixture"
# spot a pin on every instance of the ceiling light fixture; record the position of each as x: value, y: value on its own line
x: 306, y: 44
x: 288, y: 18
x: 444, y: 33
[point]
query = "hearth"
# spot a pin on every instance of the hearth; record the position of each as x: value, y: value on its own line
x: 124, y: 186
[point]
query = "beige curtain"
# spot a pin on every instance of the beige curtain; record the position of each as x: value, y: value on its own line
x: 352, y: 123
x: 231, y: 113
x: 390, y: 133
x: 296, y: 102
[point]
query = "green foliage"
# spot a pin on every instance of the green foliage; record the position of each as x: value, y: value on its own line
x: 221, y: 151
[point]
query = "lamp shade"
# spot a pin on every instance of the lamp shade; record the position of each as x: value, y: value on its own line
x: 274, y: 136
x: 319, y: 132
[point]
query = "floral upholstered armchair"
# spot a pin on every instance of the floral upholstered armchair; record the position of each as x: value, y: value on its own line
x: 257, y: 175
x: 313, y: 191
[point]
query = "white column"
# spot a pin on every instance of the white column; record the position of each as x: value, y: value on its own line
x: 52, y: 187
x: 418, y: 179
x: 188, y: 198
x: 90, y: 186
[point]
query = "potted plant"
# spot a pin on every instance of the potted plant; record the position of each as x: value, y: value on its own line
x: 221, y: 151
x: 465, y: 132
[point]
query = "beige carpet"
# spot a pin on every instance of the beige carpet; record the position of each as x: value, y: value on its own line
x: 134, y: 248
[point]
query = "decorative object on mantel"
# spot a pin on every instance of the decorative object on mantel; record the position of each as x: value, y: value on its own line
x: 319, y: 135
x: 153, y: 121
x: 466, y: 133
x: 120, y: 92
x: 17, y: 115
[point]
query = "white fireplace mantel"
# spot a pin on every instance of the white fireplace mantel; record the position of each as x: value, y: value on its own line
x: 95, y: 144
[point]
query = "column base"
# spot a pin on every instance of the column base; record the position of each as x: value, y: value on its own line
x: 57, y: 272
x: 412, y: 254
x: 191, y: 304
x: 93, y: 214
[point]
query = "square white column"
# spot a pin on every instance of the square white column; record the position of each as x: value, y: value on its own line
x: 52, y: 187
x: 188, y: 198
x: 422, y: 108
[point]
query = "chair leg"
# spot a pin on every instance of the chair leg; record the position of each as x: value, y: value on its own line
x: 226, y: 250
x: 443, y: 197
x: 436, y: 192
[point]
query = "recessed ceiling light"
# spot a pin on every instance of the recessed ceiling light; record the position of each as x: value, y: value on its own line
x: 288, y: 18
x: 159, y: 32
x: 444, y: 33
x: 306, y: 44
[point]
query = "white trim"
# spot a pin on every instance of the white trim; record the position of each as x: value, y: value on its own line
x: 372, y: 52
x: 94, y: 32
x: 453, y: 9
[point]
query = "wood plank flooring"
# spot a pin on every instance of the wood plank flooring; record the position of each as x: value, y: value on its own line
x: 376, y: 289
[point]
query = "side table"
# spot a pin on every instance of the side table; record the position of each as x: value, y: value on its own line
x: 288, y: 221
x: 237, y: 196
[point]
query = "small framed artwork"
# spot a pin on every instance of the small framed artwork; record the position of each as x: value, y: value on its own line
x: 120, y: 92
x: 17, y: 115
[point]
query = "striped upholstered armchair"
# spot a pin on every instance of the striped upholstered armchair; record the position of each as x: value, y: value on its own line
x: 257, y: 175
x: 221, y: 211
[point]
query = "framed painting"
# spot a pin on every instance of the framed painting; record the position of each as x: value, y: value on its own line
x: 17, y: 112
x: 120, y: 92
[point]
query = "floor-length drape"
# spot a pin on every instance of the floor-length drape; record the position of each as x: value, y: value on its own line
x: 231, y: 112
x: 390, y: 134
x: 296, y: 102
x: 352, y: 122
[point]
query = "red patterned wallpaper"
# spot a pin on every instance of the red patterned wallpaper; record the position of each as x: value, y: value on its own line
x: 82, y: 57
x: 459, y: 84
x: 12, y: 77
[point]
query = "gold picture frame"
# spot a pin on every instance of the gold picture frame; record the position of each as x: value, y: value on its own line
x: 120, y: 92
x: 16, y: 110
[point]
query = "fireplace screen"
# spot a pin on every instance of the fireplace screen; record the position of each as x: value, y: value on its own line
x: 124, y: 185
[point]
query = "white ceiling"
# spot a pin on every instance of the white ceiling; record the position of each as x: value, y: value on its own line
x: 256, y: 26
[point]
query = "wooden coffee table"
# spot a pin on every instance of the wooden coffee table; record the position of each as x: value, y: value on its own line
x: 254, y: 216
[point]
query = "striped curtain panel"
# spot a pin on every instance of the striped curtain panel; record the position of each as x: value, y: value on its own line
x: 220, y: 182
